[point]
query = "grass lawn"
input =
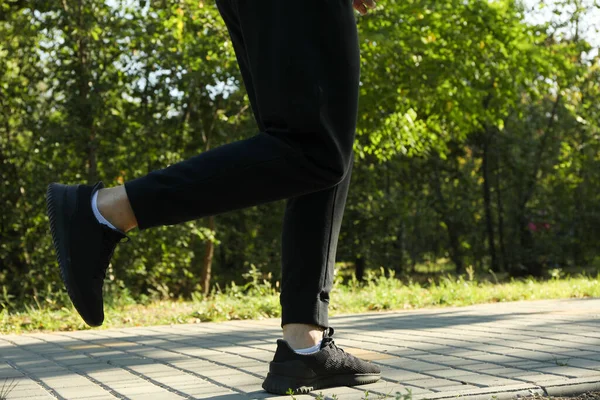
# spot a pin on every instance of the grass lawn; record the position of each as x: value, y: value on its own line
x: 258, y: 299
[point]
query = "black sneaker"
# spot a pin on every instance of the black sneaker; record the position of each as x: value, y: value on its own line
x: 83, y: 246
x: 328, y: 367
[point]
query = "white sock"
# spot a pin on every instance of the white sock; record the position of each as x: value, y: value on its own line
x: 97, y: 214
x: 310, y: 350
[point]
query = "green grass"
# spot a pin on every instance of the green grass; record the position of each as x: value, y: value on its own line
x: 259, y: 299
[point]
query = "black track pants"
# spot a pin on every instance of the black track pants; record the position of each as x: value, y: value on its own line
x: 300, y: 64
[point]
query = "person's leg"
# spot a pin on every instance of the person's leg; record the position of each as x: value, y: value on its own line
x: 311, y: 224
x: 114, y: 205
x: 304, y: 66
x: 309, y: 242
x: 301, y: 70
x: 322, y: 37
x: 310, y: 221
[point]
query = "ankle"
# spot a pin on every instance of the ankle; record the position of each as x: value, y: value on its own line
x: 301, y: 336
x: 114, y: 205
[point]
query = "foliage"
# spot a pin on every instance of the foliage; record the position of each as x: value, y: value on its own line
x: 477, y: 140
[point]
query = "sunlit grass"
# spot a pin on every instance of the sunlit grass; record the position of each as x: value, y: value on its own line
x: 259, y: 299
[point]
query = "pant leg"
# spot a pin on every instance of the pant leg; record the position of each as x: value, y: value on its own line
x: 311, y: 224
x: 311, y: 230
x: 304, y: 65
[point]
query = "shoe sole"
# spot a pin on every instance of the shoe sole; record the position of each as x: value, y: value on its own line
x: 278, y: 384
x: 57, y: 203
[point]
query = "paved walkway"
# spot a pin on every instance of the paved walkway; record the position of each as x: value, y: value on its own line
x: 491, y: 352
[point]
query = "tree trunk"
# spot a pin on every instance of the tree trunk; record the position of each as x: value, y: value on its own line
x: 453, y: 234
x: 500, y: 208
x: 208, y: 126
x: 399, y: 246
x: 578, y: 221
x: 387, y: 246
x: 359, y: 265
x: 208, y: 257
x: 84, y: 111
x: 527, y: 257
x: 92, y: 157
x: 416, y: 235
x: 488, y: 203
x: 455, y: 254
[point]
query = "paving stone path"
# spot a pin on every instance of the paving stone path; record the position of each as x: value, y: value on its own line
x: 491, y: 352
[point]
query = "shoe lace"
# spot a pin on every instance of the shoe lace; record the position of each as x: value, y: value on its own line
x: 328, y: 339
x: 110, y: 239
